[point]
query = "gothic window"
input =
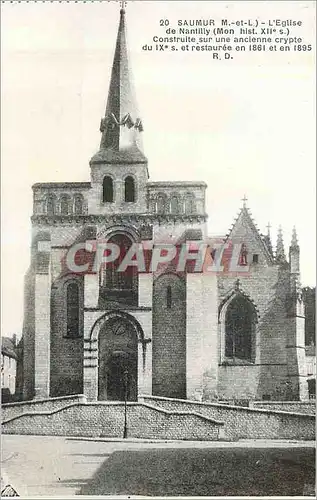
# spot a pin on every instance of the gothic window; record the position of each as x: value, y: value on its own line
x: 243, y: 258
x: 51, y: 204
x: 255, y: 258
x: 239, y: 328
x: 189, y: 204
x: 160, y: 204
x: 107, y: 190
x: 72, y: 310
x: 65, y: 205
x: 169, y: 297
x: 115, y: 279
x: 78, y: 204
x: 129, y: 189
x: 174, y: 205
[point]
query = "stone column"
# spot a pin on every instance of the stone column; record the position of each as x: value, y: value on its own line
x: 145, y: 289
x: 295, y: 354
x: 91, y: 290
x: 91, y: 369
x: 90, y: 360
x: 42, y: 324
x: 201, y: 336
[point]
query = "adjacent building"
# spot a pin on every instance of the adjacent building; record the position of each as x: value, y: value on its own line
x: 9, y: 357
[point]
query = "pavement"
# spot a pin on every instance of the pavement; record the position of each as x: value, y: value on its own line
x: 58, y: 466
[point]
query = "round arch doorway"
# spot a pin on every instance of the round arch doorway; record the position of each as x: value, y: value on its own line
x: 118, y: 360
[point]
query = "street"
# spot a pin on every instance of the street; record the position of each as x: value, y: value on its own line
x: 56, y: 466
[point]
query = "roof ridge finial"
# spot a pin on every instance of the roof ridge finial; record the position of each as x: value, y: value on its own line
x: 267, y: 239
x: 280, y: 252
x: 294, y: 242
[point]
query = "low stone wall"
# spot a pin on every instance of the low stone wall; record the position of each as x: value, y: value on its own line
x: 102, y: 419
x: 11, y: 410
x: 245, y: 423
x: 305, y: 407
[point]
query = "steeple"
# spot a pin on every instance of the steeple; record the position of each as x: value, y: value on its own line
x: 280, y: 252
x: 121, y: 126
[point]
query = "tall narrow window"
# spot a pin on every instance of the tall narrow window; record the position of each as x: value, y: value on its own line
x: 107, y: 190
x: 174, y: 205
x: 119, y: 280
x: 189, y: 204
x: 160, y: 204
x: 73, y: 310
x: 129, y: 189
x: 239, y: 327
x: 169, y: 297
x: 65, y: 204
x: 78, y: 204
x: 51, y: 204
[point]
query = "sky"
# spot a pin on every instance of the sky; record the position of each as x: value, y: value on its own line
x: 244, y: 126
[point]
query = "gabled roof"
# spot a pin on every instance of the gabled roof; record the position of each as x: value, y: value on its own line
x: 245, y: 215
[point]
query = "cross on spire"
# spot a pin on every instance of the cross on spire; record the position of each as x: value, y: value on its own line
x: 268, y: 227
x: 244, y: 199
x: 123, y: 5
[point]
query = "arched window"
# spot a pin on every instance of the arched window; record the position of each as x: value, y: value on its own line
x: 65, y: 204
x: 160, y: 204
x: 169, y: 297
x: 51, y: 204
x: 129, y: 189
x: 239, y: 328
x: 73, y: 310
x: 174, y: 205
x: 114, y: 279
x: 189, y: 204
x: 107, y: 190
x: 78, y: 204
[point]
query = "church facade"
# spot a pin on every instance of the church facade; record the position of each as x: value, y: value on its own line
x: 226, y: 334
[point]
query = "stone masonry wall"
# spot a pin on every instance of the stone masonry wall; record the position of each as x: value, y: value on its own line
x: 107, y: 420
x: 11, y: 410
x: 28, y: 335
x: 169, y: 337
x: 246, y: 423
x: 267, y: 288
x: 306, y: 407
x: 66, y: 376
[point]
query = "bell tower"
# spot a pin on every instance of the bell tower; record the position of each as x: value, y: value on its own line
x: 119, y: 171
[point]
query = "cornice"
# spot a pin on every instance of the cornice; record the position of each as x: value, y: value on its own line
x: 117, y: 219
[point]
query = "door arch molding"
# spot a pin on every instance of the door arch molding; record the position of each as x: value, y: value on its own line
x: 95, y: 330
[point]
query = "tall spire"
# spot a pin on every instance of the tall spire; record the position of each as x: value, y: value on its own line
x: 121, y: 126
x: 280, y: 252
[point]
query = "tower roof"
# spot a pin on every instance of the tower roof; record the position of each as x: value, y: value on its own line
x: 121, y: 126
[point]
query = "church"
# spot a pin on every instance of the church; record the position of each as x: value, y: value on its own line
x: 230, y: 335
